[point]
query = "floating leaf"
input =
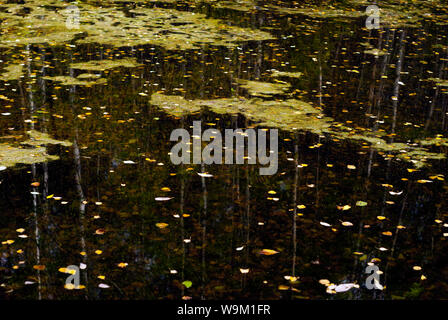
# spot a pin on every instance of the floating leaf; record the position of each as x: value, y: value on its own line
x: 39, y: 267
x: 205, y: 175
x: 163, y: 198
x: 344, y: 287
x: 268, y: 252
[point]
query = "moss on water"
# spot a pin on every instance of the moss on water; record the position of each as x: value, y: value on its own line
x: 284, y: 74
x: 393, y: 14
x: 102, y: 65
x: 10, y: 156
x: 40, y: 138
x: 263, y: 89
x: 70, y: 81
x: 12, y: 72
x: 438, y: 141
x: 237, y: 5
x: 88, y: 76
x: 439, y: 82
x: 376, y: 52
x: 175, y: 105
x: 30, y: 151
x: 292, y: 115
x: 110, y: 25
x: 90, y: 79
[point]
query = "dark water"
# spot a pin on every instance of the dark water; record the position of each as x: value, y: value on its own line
x: 110, y: 205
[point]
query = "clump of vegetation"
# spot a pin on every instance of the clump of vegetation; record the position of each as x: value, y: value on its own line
x: 102, y: 65
x: 263, y: 89
x: 12, y: 72
x: 29, y: 151
x: 110, y: 25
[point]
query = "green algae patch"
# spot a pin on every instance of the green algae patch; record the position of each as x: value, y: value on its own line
x: 285, y: 74
x: 46, y: 22
x: 263, y: 89
x: 12, y: 72
x: 70, y: 81
x: 290, y: 114
x: 392, y: 14
x: 88, y: 76
x: 43, y: 22
x: 30, y: 151
x: 439, y: 82
x: 10, y: 156
x: 376, y: 52
x: 418, y: 156
x: 40, y: 138
x: 438, y: 141
x: 168, y: 28
x: 102, y: 65
x: 293, y: 115
x: 175, y: 105
x: 319, y: 12
x: 237, y: 5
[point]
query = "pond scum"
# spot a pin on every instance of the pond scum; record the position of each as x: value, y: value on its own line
x: 269, y: 100
x: 32, y: 150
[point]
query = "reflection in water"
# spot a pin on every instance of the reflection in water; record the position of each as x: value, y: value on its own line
x: 334, y: 206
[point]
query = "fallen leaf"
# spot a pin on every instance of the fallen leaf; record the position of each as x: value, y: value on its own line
x: 268, y: 252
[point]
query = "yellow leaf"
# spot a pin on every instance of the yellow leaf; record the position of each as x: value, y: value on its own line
x: 39, y: 267
x: 268, y: 252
